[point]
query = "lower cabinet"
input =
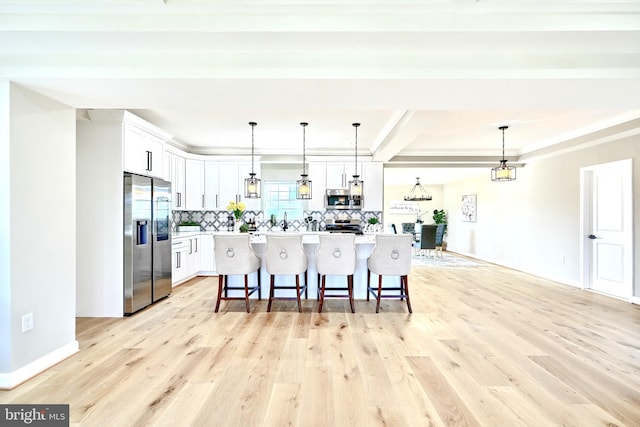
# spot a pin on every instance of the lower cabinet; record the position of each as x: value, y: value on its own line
x: 186, y: 259
x: 179, y: 260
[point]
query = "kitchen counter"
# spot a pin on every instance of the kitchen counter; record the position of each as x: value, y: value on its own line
x: 310, y: 241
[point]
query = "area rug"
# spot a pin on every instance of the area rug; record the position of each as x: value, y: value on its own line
x: 447, y: 260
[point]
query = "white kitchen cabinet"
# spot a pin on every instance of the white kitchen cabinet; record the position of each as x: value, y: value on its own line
x: 194, y: 185
x: 212, y: 186
x: 195, y: 246
x: 143, y: 152
x: 340, y: 173
x: 179, y: 260
x: 232, y: 175
x: 318, y: 175
x: 336, y: 177
x: 178, y: 186
x: 373, y: 178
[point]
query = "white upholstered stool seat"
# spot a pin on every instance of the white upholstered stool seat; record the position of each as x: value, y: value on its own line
x: 285, y: 257
x: 391, y: 256
x: 234, y: 255
x: 336, y: 256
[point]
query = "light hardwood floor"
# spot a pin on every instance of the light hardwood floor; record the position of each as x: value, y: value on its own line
x: 485, y: 346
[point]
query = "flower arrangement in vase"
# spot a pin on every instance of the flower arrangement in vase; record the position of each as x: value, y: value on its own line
x: 237, y: 209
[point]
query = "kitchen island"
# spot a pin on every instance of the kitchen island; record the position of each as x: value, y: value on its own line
x: 310, y: 242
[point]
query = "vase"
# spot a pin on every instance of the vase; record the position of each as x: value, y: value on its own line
x: 236, y: 226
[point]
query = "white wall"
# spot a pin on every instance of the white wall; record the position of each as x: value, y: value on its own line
x: 100, y: 291
x: 5, y: 232
x: 41, y: 205
x: 533, y: 224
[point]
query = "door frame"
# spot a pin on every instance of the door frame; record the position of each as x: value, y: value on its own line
x: 586, y: 216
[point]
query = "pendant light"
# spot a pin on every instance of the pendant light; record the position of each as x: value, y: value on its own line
x: 418, y: 193
x: 252, y: 185
x: 303, y: 185
x: 355, y: 185
x: 503, y: 172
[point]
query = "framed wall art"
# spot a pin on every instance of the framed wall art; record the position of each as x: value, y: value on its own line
x: 468, y: 208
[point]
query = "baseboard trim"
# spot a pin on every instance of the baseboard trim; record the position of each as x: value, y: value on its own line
x: 13, y: 379
x: 560, y: 280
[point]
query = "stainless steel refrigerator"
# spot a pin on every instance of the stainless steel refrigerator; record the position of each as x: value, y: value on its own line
x: 147, y: 241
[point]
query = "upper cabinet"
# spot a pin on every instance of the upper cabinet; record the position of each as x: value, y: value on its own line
x: 231, y: 181
x: 340, y: 173
x: 318, y: 175
x: 176, y: 174
x: 143, y: 152
x: 194, y: 182
x: 212, y: 186
x: 373, y: 177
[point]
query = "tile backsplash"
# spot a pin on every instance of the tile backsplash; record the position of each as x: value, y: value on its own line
x: 217, y: 220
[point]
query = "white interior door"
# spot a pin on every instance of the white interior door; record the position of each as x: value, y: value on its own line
x: 608, y: 229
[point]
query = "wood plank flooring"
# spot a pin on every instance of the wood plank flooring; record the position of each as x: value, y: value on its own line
x: 485, y: 346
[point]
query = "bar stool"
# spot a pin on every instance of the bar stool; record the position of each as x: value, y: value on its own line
x: 391, y: 256
x: 285, y: 257
x: 234, y: 255
x: 336, y: 256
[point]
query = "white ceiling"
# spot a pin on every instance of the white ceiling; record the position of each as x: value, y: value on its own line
x: 430, y: 81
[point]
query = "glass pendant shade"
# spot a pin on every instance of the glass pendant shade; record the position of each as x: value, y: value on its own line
x: 303, y: 185
x: 252, y: 185
x: 503, y: 172
x: 355, y: 187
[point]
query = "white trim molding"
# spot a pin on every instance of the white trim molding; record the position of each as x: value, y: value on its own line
x: 17, y: 377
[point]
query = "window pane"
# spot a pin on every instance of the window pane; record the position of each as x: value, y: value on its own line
x: 281, y: 197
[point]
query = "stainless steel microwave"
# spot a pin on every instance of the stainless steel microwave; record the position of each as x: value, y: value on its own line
x: 336, y: 199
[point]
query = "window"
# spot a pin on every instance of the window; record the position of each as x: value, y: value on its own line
x: 280, y: 197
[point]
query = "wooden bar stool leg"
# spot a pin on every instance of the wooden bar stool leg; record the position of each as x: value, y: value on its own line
x: 259, y: 285
x: 368, y: 283
x: 220, y: 285
x: 350, y: 286
x: 270, y: 294
x: 298, y: 292
x: 379, y: 292
x: 246, y: 292
x: 406, y: 292
x: 321, y: 284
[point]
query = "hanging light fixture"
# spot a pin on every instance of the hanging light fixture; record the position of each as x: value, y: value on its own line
x: 503, y: 172
x: 355, y: 185
x: 252, y: 185
x: 303, y: 185
x: 418, y: 193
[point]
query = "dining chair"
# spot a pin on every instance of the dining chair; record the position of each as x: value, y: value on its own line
x: 336, y: 256
x: 439, y: 239
x: 391, y: 256
x: 285, y: 257
x: 234, y: 255
x: 427, y: 238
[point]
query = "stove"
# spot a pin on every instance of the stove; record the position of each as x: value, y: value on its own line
x: 344, y: 226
